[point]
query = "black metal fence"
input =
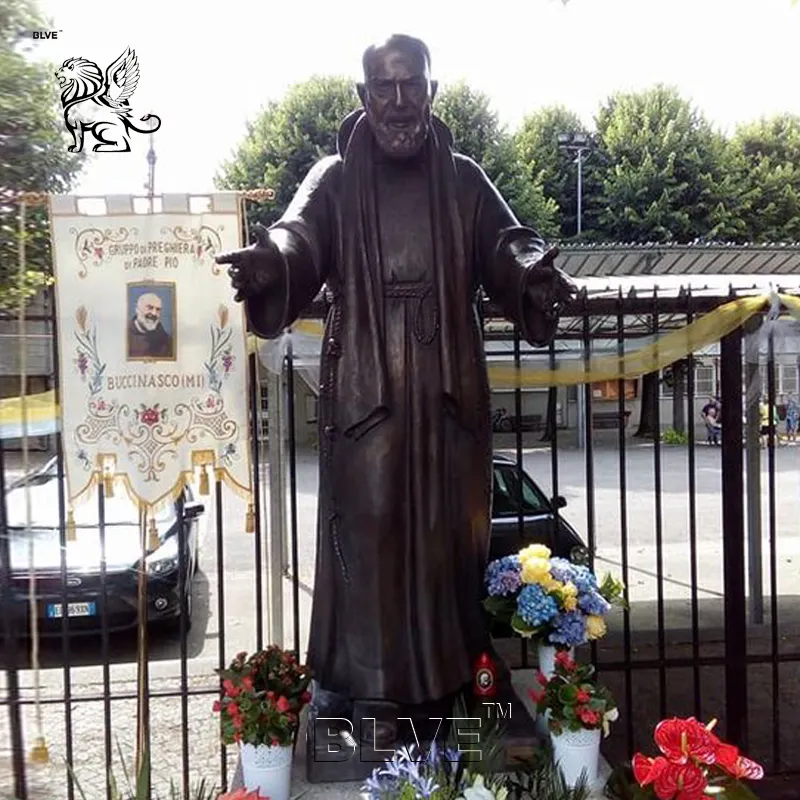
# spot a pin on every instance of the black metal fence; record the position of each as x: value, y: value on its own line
x: 675, y: 522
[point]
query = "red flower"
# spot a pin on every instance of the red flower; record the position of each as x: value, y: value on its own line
x: 681, y: 782
x: 680, y: 739
x: 150, y: 416
x: 564, y: 659
x: 283, y: 704
x: 646, y: 769
x: 587, y: 716
x: 247, y: 683
x: 306, y: 698
x: 217, y: 707
x: 238, y: 722
x: 541, y: 678
x: 230, y: 688
x: 233, y: 709
x: 536, y: 695
x: 730, y: 760
x: 583, y: 696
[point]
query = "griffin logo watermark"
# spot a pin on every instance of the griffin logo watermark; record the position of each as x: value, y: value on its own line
x: 99, y: 103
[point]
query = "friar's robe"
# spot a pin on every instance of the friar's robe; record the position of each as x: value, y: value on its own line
x: 405, y: 437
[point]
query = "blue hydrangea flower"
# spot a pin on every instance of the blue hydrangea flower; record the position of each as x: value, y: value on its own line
x: 569, y: 628
x: 562, y: 570
x: 535, y: 606
x: 584, y: 579
x: 593, y: 603
x: 503, y: 576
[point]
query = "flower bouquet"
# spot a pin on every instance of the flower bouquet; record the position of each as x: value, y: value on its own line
x: 441, y: 774
x: 550, y: 599
x: 693, y: 763
x: 260, y: 710
x: 577, y: 708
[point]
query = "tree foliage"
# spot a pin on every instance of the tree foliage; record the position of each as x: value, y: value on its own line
x: 33, y: 151
x: 765, y: 155
x: 664, y: 176
x: 545, y: 161
x: 285, y: 141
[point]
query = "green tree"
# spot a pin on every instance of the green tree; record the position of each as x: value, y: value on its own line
x: 766, y: 162
x: 666, y: 175
x: 555, y: 168
x: 477, y: 133
x: 286, y: 139
x: 33, y: 151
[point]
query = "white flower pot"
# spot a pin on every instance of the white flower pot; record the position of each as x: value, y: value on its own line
x: 267, y: 769
x: 575, y: 752
x: 547, y: 658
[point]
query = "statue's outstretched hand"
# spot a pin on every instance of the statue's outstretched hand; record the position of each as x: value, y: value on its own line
x: 548, y: 288
x: 256, y: 269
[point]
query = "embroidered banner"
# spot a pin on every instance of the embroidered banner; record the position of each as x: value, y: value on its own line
x: 153, y: 352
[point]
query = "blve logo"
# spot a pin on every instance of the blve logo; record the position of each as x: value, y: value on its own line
x: 40, y: 34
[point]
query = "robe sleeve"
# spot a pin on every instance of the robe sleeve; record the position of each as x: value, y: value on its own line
x: 505, y: 251
x: 301, y: 238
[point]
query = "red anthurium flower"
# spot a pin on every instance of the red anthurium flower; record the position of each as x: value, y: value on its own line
x: 646, y: 769
x: 682, y: 739
x: 247, y: 683
x: 587, y: 716
x: 536, y: 695
x: 747, y: 768
x: 565, y: 660
x: 583, y: 696
x: 541, y: 678
x: 283, y: 704
x: 681, y: 782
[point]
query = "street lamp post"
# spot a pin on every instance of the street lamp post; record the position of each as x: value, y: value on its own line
x: 578, y: 143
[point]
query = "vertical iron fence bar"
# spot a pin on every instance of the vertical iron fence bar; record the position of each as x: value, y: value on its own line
x: 184, y: 582
x: 733, y: 540
x: 66, y: 650
x: 104, y: 633
x: 623, y: 529
x: 773, y: 558
x: 293, y: 497
x: 589, y: 448
x: 662, y: 644
x: 523, y: 642
x: 553, y: 425
x: 11, y: 653
x: 220, y: 519
x: 255, y: 408
x: 690, y: 400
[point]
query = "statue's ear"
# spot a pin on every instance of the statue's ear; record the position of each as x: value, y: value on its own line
x: 362, y: 93
x: 434, y: 87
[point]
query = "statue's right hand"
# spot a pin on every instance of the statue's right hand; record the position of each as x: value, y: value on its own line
x: 253, y: 270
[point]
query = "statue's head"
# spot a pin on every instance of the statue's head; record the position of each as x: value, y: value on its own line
x: 397, y: 94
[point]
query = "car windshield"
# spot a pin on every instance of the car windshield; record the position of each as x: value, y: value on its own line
x: 43, y: 488
x: 507, y: 492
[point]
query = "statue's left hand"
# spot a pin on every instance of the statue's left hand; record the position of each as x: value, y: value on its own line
x: 548, y: 289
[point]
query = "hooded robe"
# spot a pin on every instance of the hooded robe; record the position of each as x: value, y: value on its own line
x: 404, y: 406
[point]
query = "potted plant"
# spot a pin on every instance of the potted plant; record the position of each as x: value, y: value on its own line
x: 578, y: 709
x: 263, y: 695
x: 694, y: 763
x: 551, y: 600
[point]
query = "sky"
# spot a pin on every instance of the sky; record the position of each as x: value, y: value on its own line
x: 206, y: 68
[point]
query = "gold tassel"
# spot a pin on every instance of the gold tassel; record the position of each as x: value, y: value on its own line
x: 40, y: 754
x: 72, y: 536
x: 204, y: 487
x: 154, y: 542
x: 250, y: 519
x: 108, y: 484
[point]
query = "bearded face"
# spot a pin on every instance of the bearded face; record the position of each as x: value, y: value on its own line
x: 148, y: 312
x: 397, y: 98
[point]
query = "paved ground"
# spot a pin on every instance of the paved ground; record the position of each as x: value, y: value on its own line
x: 239, y: 629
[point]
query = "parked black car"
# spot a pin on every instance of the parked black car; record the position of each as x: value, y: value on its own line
x: 83, y: 559
x: 538, y: 516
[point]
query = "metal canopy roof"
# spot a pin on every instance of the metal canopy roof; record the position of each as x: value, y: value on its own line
x: 600, y: 260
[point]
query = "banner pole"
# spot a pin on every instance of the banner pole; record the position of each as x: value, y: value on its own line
x: 142, y: 679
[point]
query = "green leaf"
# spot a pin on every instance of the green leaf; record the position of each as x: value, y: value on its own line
x: 522, y: 627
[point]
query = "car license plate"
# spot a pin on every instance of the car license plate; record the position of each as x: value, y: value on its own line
x: 54, y: 610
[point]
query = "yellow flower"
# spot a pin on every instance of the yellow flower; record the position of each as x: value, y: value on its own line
x: 571, y: 603
x: 595, y: 626
x: 534, y: 551
x: 569, y: 590
x: 535, y: 570
x: 550, y: 584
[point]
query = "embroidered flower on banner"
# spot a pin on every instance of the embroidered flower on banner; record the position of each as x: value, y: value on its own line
x: 151, y: 415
